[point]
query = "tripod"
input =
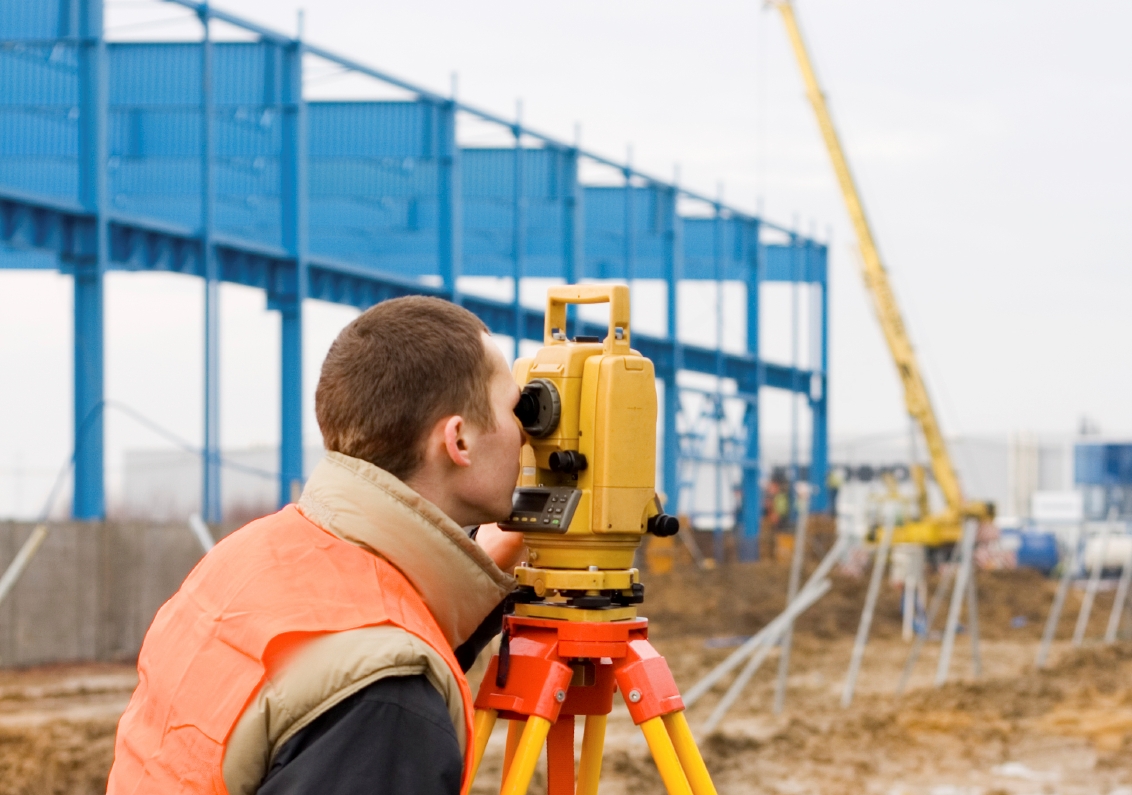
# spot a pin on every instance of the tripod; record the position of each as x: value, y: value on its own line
x: 550, y: 670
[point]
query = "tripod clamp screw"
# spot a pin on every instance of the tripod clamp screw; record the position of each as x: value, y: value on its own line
x: 634, y: 695
x: 560, y: 696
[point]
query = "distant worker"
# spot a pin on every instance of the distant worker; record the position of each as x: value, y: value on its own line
x: 834, y: 481
x: 782, y: 506
x: 322, y: 649
x: 770, y: 498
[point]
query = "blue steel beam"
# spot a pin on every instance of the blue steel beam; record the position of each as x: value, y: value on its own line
x: 518, y: 231
x: 673, y: 267
x: 434, y: 98
x: 293, y: 193
x: 450, y: 221
x: 89, y: 500
x: 819, y: 408
x: 277, y: 265
x: 210, y: 449
x: 752, y: 485
x: 141, y: 245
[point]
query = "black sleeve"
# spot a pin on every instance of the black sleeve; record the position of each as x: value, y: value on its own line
x: 490, y: 627
x: 394, y: 736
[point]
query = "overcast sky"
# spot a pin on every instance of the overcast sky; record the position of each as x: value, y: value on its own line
x: 990, y: 139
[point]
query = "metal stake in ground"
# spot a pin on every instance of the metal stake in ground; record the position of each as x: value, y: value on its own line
x: 970, y: 529
x: 23, y: 558
x: 809, y: 594
x: 973, y: 625
x: 870, y: 606
x: 1120, y: 598
x: 1059, y: 599
x: 815, y: 587
x: 1094, y: 583
x: 933, y: 609
x: 792, y: 591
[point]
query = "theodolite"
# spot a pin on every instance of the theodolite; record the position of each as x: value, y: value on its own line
x: 586, y: 497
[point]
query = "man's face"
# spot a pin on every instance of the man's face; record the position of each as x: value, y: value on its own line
x: 488, y: 483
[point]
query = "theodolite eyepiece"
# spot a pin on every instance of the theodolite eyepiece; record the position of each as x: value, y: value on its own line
x: 539, y: 408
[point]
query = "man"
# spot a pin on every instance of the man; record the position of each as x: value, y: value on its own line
x: 322, y: 649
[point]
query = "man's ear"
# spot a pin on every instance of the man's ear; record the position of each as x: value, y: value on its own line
x: 456, y: 442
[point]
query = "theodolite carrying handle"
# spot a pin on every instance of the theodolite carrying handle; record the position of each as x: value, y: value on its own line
x: 616, y: 295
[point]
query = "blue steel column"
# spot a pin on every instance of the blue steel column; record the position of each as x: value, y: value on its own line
x: 752, y: 487
x: 796, y: 388
x: 718, y: 273
x: 673, y: 270
x: 573, y: 229
x: 89, y: 430
x: 819, y: 400
x: 293, y: 192
x: 210, y: 454
x: 629, y: 229
x: 451, y: 201
x: 518, y: 236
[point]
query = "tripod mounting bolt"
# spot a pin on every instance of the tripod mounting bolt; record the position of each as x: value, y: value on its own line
x: 560, y: 696
x: 635, y: 696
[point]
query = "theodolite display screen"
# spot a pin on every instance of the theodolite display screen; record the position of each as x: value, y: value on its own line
x: 530, y: 501
x: 538, y: 509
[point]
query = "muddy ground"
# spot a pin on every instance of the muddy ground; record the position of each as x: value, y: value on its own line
x: 1067, y: 729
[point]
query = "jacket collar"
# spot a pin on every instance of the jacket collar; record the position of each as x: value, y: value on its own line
x: 365, y: 505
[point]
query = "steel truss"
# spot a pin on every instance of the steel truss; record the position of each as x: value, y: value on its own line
x: 204, y: 158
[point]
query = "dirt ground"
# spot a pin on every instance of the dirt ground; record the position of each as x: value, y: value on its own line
x: 1067, y: 729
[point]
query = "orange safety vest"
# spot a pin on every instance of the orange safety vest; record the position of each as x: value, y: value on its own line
x: 247, y: 606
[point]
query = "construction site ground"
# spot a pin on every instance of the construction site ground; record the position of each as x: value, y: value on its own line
x: 1066, y: 729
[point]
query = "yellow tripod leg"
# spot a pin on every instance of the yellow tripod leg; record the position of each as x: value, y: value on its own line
x: 593, y: 745
x: 481, y: 728
x: 526, y: 756
x: 689, y: 754
x: 664, y: 754
x: 514, y: 733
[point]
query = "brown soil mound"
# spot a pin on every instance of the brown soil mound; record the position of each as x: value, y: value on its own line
x: 740, y: 598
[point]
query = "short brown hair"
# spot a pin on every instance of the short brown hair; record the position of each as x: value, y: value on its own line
x: 393, y: 372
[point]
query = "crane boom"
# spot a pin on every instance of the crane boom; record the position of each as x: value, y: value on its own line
x: 880, y: 290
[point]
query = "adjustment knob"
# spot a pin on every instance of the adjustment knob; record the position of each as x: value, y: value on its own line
x: 568, y: 462
x: 663, y: 525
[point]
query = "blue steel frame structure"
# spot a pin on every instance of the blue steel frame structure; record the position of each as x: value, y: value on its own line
x: 204, y: 158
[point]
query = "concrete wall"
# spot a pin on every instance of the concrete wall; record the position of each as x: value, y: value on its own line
x: 91, y: 591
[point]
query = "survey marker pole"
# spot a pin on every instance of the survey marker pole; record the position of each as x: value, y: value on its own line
x: 973, y: 625
x: 1094, y: 584
x: 1120, y: 598
x: 796, y: 564
x: 933, y: 610
x: 816, y: 586
x: 870, y: 605
x: 970, y: 530
x: 774, y: 631
x: 1059, y: 601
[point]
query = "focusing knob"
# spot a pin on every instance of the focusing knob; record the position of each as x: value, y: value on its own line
x: 568, y: 462
x: 539, y: 408
x: 663, y: 525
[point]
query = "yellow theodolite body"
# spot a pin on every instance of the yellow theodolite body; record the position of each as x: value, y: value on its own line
x: 587, y: 488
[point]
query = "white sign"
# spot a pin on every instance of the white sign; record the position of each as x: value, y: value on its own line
x: 1057, y: 506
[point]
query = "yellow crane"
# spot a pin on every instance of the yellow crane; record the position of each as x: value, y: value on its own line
x: 933, y: 530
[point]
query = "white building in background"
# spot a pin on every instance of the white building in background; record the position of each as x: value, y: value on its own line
x: 165, y: 485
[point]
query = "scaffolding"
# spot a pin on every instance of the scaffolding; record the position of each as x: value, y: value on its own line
x: 206, y: 158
